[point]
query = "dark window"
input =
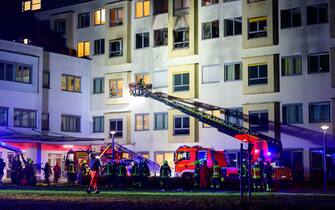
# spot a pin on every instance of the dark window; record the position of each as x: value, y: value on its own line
x: 317, y: 14
x: 233, y: 72
x: 60, y: 26
x: 24, y: 118
x: 318, y: 63
x: 181, y: 125
x: 98, y: 85
x: 142, y: 40
x: 161, y: 121
x: 181, y: 38
x: 116, y: 17
x: 3, y: 116
x: 115, y: 48
x: 70, y: 123
x: 292, y: 114
x: 209, y: 2
x: 254, y: 1
x: 98, y: 124
x: 259, y: 120
x: 291, y: 18
x: 99, y: 46
x: 234, y: 115
x: 161, y: 37
x: 227, y: 1
x: 181, y: 7
x: 161, y: 7
x: 15, y: 72
x: 291, y: 66
x: 319, y: 112
x: 257, y: 27
x: 233, y: 26
x: 117, y: 126
x: 83, y: 20
x: 46, y: 79
x: 45, y: 121
x: 210, y: 30
x: 258, y: 74
x: 181, y: 82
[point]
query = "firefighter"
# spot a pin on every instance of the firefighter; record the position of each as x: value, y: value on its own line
x: 57, y: 173
x: 144, y: 173
x: 244, y: 175
x: 196, y: 176
x: 135, y: 174
x: 256, y: 176
x: 121, y: 174
x: 216, y: 175
x: 268, y: 174
x: 165, y: 174
x: 109, y: 173
x: 29, y: 171
x: 47, y: 173
x: 94, y: 174
x: 204, y: 175
x: 71, y: 173
x: 2, y: 169
x: 83, y: 172
x: 140, y: 85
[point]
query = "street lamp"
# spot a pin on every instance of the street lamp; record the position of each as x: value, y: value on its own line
x: 113, y: 133
x: 324, y: 128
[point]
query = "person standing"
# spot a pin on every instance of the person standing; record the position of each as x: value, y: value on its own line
x: 47, y: 173
x: 71, y: 173
x: 109, y: 173
x: 196, y: 176
x: 57, y: 173
x: 165, y: 174
x: 94, y: 174
x: 268, y: 173
x: 216, y: 175
x: 83, y: 172
x: 204, y: 175
x: 256, y: 176
x: 122, y: 173
x: 144, y: 173
x: 2, y: 172
x: 135, y: 174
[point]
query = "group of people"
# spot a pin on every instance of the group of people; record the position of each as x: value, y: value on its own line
x: 205, y: 176
x: 22, y: 172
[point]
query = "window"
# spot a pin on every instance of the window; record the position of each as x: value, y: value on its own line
x: 98, y: 85
x: 60, y: 26
x: 290, y: 18
x: 142, y: 8
x: 181, y: 7
x: 117, y: 126
x: 318, y: 63
x: 22, y: 74
x: 292, y: 114
x: 227, y: 1
x: 83, y: 20
x: 233, y: 72
x: 99, y: 46
x: 45, y: 121
x: 317, y: 14
x: 141, y: 122
x: 7, y: 71
x: 210, y: 30
x: 15, y: 72
x: 3, y: 116
x: 257, y: 27
x: 46, y: 79
x: 24, y: 118
x: 115, y: 48
x: 254, y: 1
x: 319, y: 112
x: 116, y: 88
x: 259, y: 120
x: 209, y: 2
x: 181, y: 125
x: 71, y: 83
x: 234, y: 115
x: 99, y: 17
x: 161, y: 121
x: 161, y: 7
x: 161, y: 37
x: 181, y: 82
x: 144, y: 154
x: 83, y: 49
x: 70, y: 123
x: 181, y: 38
x: 98, y: 124
x: 31, y: 5
x: 258, y: 74
x: 233, y: 26
x: 116, y: 17
x: 144, y: 76
x: 160, y: 79
x: 291, y: 66
x: 160, y: 157
x: 142, y: 40
x: 210, y: 74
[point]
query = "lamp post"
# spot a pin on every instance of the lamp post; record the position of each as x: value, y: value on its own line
x: 324, y: 128
x: 113, y: 133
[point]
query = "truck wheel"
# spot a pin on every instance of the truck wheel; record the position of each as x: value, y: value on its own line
x: 187, y: 179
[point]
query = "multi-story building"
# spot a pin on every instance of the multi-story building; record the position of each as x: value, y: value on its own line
x: 273, y: 60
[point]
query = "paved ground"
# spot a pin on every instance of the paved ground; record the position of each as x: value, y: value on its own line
x: 76, y: 198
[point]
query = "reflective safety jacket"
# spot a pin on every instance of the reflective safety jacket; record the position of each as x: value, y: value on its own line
x: 256, y: 172
x: 135, y: 170
x: 244, y: 170
x: 165, y: 171
x: 71, y: 168
x: 109, y: 170
x: 216, y: 171
x: 122, y: 170
x: 197, y: 171
x: 84, y: 169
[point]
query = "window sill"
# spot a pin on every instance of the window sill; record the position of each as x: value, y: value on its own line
x: 48, y: 88
x: 319, y: 122
x: 157, y: 46
x: 142, y: 130
x: 70, y: 131
x: 83, y: 27
x: 115, y: 97
x: 293, y: 27
x: 215, y: 4
x: 236, y: 80
x: 69, y: 91
x: 204, y: 83
x: 142, y: 48
x: 116, y: 56
x: 163, y: 129
x: 98, y: 132
x: 181, y: 134
x: 98, y: 93
x: 17, y: 126
x: 213, y: 38
x: 234, y: 35
x: 293, y: 75
x: 318, y: 72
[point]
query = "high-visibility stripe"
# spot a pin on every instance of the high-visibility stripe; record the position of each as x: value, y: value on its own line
x: 257, y: 19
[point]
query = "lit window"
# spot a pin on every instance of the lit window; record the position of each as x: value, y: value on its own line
x: 31, y: 5
x: 141, y: 122
x: 181, y: 125
x: 160, y: 157
x: 99, y: 17
x: 116, y: 88
x: 142, y: 8
x: 71, y: 83
x: 257, y: 27
x: 258, y: 74
x: 35, y: 4
x: 210, y: 30
x: 143, y: 76
x: 26, y: 6
x: 83, y: 49
x: 181, y: 82
x: 116, y: 17
x: 115, y: 48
